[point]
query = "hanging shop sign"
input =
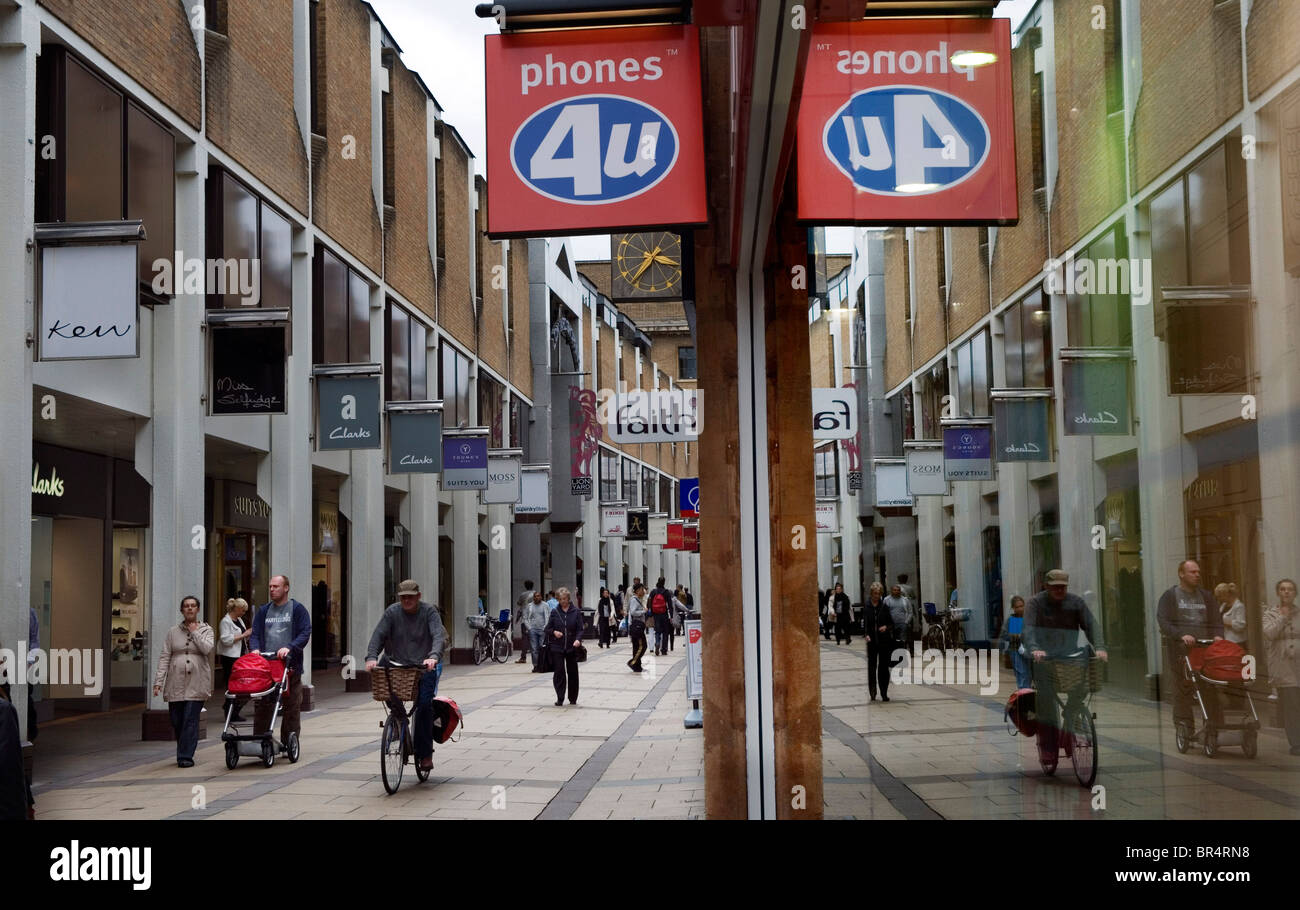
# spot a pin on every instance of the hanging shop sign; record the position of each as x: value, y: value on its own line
x: 835, y: 413
x: 908, y: 121
x: 613, y: 521
x: 534, y: 493
x: 504, y: 485
x: 691, y: 538
x: 584, y: 436
x: 968, y: 451
x: 1022, y: 424
x: 674, y: 536
x: 688, y: 493
x: 89, y: 291
x: 590, y: 130
x: 247, y: 369
x: 465, y: 462
x: 638, y: 524
x: 828, y: 518
x: 925, y: 469
x: 1209, y: 346
x: 1097, y: 393
x: 414, y: 437
x: 347, y: 407
x: 658, y: 531
x: 655, y: 415
x: 891, y: 483
x: 245, y: 510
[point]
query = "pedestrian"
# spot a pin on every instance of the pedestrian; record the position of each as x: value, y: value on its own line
x: 184, y: 677
x: 1282, y: 633
x: 234, y: 642
x: 661, y: 602
x: 824, y: 614
x: 410, y: 633
x: 1232, y: 613
x: 679, y: 614
x: 604, y: 617
x: 838, y: 604
x: 537, y: 615
x: 900, y: 611
x: 283, y: 626
x: 1185, y: 613
x: 880, y: 641
x: 636, y: 627
x: 521, y: 606
x: 564, y: 636
x: 15, y: 794
x: 551, y: 600
x: 33, y: 650
x: 1014, y: 643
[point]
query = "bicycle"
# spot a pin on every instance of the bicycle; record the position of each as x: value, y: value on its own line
x: 944, y: 629
x: 1078, y: 675
x: 490, y: 638
x: 396, y: 744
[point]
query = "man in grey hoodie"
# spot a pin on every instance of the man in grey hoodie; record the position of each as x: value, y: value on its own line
x: 536, y: 617
x: 410, y: 633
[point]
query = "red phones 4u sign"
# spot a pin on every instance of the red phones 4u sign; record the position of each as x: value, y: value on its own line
x: 908, y: 121
x: 594, y: 130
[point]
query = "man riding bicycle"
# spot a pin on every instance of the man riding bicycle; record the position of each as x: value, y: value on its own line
x: 410, y: 633
x: 1053, y: 619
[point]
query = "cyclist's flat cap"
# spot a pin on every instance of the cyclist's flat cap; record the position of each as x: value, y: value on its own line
x: 1057, y: 577
x: 408, y: 587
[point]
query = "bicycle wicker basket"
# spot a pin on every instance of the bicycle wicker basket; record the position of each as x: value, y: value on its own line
x: 403, y: 682
x: 479, y: 621
x: 1073, y: 674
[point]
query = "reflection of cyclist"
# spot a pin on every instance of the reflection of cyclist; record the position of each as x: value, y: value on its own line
x: 410, y: 632
x: 1053, y: 619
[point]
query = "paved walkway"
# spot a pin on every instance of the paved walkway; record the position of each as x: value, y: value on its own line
x: 622, y: 752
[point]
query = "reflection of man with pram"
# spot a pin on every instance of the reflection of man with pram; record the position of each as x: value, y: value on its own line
x: 1053, y: 620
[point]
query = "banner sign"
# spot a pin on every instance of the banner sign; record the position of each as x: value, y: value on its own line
x: 925, y: 472
x: 855, y: 482
x: 688, y: 492
x: 828, y: 518
x: 584, y: 431
x: 535, y: 493
x: 1096, y: 397
x: 691, y: 538
x: 613, y: 521
x: 248, y: 369
x: 348, y: 412
x: 90, y: 302
x: 1022, y: 428
x: 1208, y: 349
x: 414, y: 442
x: 674, y: 536
x: 638, y: 524
x: 593, y: 130
x: 694, y: 658
x: 465, y: 463
x: 505, y: 484
x: 658, y: 533
x: 967, y: 453
x: 654, y: 415
x: 835, y: 413
x: 891, y: 485
x: 908, y: 121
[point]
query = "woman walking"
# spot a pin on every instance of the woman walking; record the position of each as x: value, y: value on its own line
x: 1282, y: 633
x: 604, y: 617
x: 636, y: 625
x: 564, y: 633
x: 184, y: 677
x: 1233, y: 612
x: 880, y: 642
x: 233, y: 634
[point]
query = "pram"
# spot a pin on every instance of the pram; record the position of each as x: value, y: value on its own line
x: 257, y: 675
x: 1214, y: 669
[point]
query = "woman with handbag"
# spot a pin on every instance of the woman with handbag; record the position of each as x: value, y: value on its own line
x: 184, y: 677
x: 234, y: 642
x: 564, y: 635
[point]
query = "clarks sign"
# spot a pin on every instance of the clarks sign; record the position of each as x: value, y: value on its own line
x: 46, y: 486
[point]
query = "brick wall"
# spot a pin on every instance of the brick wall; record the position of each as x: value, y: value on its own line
x: 250, y: 112
x: 345, y: 205
x: 455, y: 309
x: 819, y: 351
x: 928, y: 336
x: 408, y: 263
x: 1272, y: 43
x: 969, y: 279
x: 607, y: 355
x: 151, y: 40
x: 898, y: 349
x: 597, y: 272
x: 1191, y: 80
x: 521, y: 365
x: 492, y: 325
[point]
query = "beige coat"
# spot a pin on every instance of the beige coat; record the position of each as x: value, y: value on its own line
x: 1282, y: 637
x: 185, y: 666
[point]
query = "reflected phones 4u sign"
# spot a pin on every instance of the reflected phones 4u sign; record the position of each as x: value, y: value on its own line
x: 594, y: 129
x: 908, y: 121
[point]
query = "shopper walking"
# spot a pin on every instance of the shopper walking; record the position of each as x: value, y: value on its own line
x: 282, y: 625
x: 521, y: 606
x: 880, y: 641
x: 636, y: 627
x: 538, y: 614
x: 900, y: 612
x: 234, y: 642
x: 184, y: 677
x: 838, y: 604
x: 1282, y: 636
x: 604, y: 617
x: 1232, y: 612
x: 1185, y: 613
x: 661, y: 604
x: 564, y: 637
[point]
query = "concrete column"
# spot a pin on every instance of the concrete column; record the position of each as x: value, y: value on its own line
x: 970, y: 558
x: 20, y: 42
x: 930, y: 584
x: 851, y: 538
x: 590, y: 549
x: 614, y: 563
x: 636, y: 562
x: 423, y: 543
x: 1013, y: 528
x: 361, y: 500
x: 900, y: 552
x: 825, y: 572
x: 525, y: 556
x: 564, y: 559
x: 653, y: 563
x: 464, y: 567
x: 696, y: 590
x: 501, y: 593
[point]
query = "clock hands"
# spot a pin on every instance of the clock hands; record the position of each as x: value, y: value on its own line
x: 646, y: 259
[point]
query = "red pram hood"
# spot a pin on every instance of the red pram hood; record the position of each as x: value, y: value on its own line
x: 254, y: 673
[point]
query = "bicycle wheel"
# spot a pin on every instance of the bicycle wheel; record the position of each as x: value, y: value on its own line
x: 933, y: 639
x: 391, y: 757
x: 500, y: 647
x: 480, y: 650
x: 1083, y: 745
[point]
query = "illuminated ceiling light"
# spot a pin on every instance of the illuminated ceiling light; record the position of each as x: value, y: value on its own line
x: 973, y: 58
x: 916, y: 187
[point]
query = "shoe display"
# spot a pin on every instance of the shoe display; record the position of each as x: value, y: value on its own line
x: 119, y: 630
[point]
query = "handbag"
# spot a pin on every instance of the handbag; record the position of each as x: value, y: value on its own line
x: 545, y: 660
x: 622, y: 626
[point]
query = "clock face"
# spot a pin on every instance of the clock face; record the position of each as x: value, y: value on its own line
x: 649, y: 264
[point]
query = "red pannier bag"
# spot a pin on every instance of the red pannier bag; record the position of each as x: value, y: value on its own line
x: 1020, y: 711
x: 1221, y: 660
x: 254, y: 673
x: 446, y: 718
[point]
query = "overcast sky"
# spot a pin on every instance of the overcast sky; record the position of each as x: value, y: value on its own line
x: 442, y: 40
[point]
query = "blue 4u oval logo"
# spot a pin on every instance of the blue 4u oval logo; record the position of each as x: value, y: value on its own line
x: 904, y: 140
x: 594, y: 149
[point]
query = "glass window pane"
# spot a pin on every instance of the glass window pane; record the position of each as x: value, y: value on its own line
x: 964, y: 398
x: 334, y: 291
x: 1207, y: 210
x: 462, y: 387
x: 399, y: 377
x: 92, y: 148
x: 151, y: 167
x: 1012, y: 341
x: 1168, y: 239
x: 238, y: 234
x: 419, y: 361
x: 359, y: 320
x: 447, y: 387
x: 277, y: 260
x: 1034, y: 324
x: 979, y: 348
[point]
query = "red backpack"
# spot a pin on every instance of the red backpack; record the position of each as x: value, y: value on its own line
x: 1020, y: 712
x: 659, y: 603
x: 446, y: 718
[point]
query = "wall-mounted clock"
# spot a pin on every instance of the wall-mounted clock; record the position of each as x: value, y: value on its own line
x: 647, y: 266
